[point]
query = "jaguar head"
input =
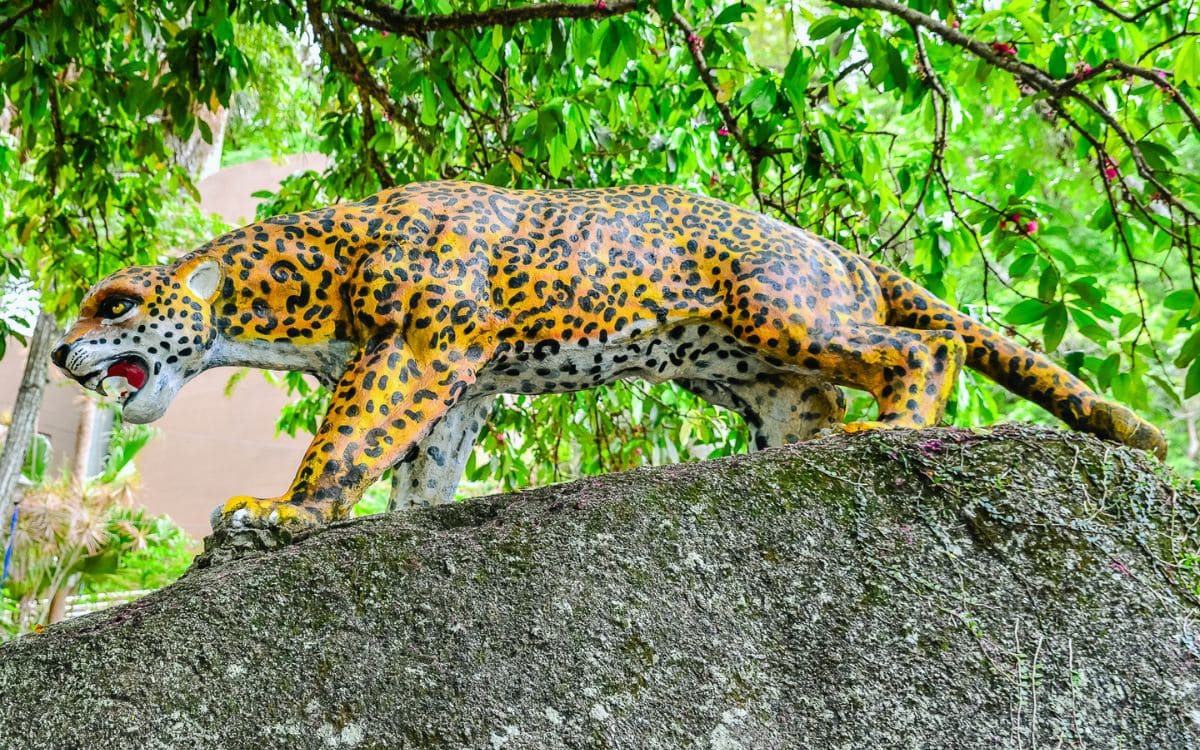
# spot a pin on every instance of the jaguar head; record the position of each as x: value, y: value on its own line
x: 142, y: 333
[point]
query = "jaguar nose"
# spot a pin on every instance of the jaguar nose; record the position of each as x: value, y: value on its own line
x: 59, y: 355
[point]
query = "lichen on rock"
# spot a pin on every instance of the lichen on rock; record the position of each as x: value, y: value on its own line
x: 937, y: 588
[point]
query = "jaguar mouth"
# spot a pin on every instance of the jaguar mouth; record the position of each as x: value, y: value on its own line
x: 121, y: 379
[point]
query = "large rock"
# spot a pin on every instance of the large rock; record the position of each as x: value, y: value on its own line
x: 895, y: 590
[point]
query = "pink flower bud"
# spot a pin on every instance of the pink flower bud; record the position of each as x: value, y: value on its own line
x: 722, y: 131
x: 1082, y: 69
x: 601, y: 5
x: 954, y: 24
x: 1031, y: 226
x: 1004, y: 48
x: 1110, y: 173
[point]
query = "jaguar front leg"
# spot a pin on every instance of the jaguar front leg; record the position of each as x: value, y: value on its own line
x: 385, y: 403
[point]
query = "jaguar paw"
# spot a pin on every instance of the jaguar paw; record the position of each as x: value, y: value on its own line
x: 244, y: 512
x: 248, y: 527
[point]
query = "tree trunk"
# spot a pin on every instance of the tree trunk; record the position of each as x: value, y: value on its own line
x: 25, y: 411
x: 57, y: 609
x: 910, y: 588
x: 85, y: 433
x: 198, y: 156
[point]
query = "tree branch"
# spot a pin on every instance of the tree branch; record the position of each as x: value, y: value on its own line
x: 12, y: 20
x: 941, y: 103
x: 344, y: 56
x: 755, y: 152
x: 1129, y: 17
x: 1037, y: 79
x: 387, y: 18
x: 369, y: 133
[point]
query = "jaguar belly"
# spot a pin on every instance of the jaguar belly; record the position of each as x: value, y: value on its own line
x: 647, y: 351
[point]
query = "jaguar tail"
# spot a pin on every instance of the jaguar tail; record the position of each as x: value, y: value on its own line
x: 1027, y: 373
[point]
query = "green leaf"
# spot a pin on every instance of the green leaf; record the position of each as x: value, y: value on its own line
x: 1108, y: 370
x: 1169, y: 389
x: 1023, y: 182
x: 983, y: 69
x: 428, y: 103
x: 524, y: 122
x: 1048, y: 284
x: 829, y: 25
x: 547, y: 123
x: 1058, y: 62
x: 499, y: 174
x: 1021, y: 265
x: 1027, y: 311
x: 734, y: 13
x: 1129, y: 321
x: 1159, y: 157
x: 795, y: 79
x: 1187, y: 67
x: 1102, y: 218
x: 897, y: 68
x: 560, y: 156
x: 1055, y: 326
x: 1096, y: 333
x: 1189, y: 350
x: 1191, y: 384
x: 1181, y: 299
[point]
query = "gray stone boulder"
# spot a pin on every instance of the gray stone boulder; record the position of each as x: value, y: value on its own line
x: 935, y: 589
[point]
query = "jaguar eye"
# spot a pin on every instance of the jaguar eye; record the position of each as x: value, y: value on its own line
x: 115, y: 307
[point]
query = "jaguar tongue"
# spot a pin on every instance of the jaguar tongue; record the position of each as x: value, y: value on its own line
x: 134, y: 374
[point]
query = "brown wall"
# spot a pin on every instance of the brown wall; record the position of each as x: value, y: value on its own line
x: 209, y: 447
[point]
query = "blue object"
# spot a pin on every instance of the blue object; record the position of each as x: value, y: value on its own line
x: 12, y: 531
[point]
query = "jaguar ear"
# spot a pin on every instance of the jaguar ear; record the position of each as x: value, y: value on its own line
x: 202, y: 277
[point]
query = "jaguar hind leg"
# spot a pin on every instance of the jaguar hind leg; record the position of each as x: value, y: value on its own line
x: 910, y: 373
x: 778, y: 408
x: 430, y: 473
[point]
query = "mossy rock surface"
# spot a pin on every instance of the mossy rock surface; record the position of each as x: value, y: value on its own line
x: 934, y: 589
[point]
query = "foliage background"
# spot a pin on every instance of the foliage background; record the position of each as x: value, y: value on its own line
x: 1031, y: 162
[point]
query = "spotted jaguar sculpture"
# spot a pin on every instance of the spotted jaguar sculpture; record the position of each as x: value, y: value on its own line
x: 417, y: 305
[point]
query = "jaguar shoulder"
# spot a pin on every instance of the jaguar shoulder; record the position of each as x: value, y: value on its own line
x: 416, y: 306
